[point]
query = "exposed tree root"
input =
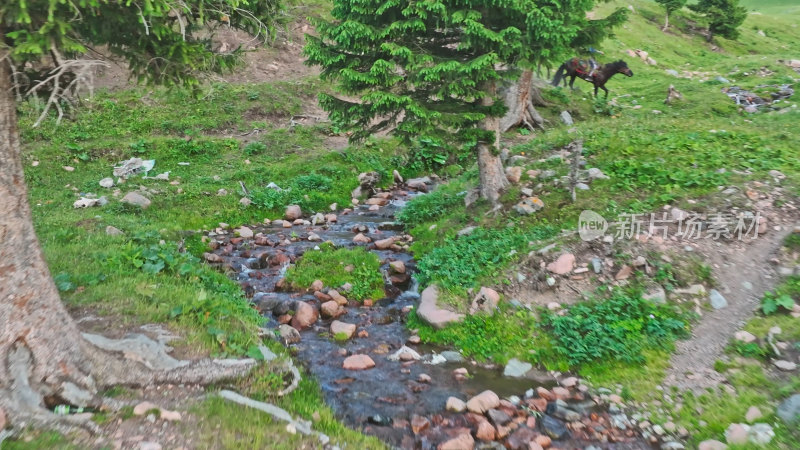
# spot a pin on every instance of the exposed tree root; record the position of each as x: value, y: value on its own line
x: 134, y: 361
x: 300, y: 425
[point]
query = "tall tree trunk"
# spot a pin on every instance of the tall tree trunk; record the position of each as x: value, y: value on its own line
x: 43, y: 356
x: 666, y: 22
x: 521, y: 99
x: 490, y: 167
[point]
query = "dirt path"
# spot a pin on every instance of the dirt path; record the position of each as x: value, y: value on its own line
x: 743, y: 272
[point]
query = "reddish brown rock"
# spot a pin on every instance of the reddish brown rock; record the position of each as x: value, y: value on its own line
x: 623, y: 273
x: 544, y: 441
x: 483, y: 402
x: 419, y: 424
x: 545, y: 394
x: 563, y: 265
x: 384, y: 244
x: 338, y: 327
x: 317, y: 285
x: 463, y: 441
x: 485, y: 431
x: 361, y: 239
x: 358, y: 362
x: 331, y: 310
x: 397, y: 267
x: 520, y: 439
x: 304, y: 316
x: 323, y: 297
x: 293, y: 212
x: 560, y: 392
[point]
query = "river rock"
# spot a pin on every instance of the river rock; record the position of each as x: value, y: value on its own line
x: 516, y: 368
x: 753, y: 413
x: 244, y: 232
x: 563, y: 265
x: 513, y: 174
x: 498, y: 417
x: 787, y: 366
x: 304, y: 316
x: 569, y: 382
x: 737, y: 434
x: 744, y: 336
x: 358, y: 362
x: 553, y: 427
x: 317, y: 285
x: 289, y: 334
x: 419, y: 184
x: 430, y: 312
x: 330, y: 309
x: 712, y: 444
x: 455, y: 405
x: 384, y: 244
x: 760, y: 434
x: 113, y: 231
x: 397, y: 267
x: 623, y: 273
x: 483, y: 402
x: 404, y: 354
x: 656, y: 294
x: 520, y: 439
x: 486, y: 301
x: 789, y: 409
x: 485, y: 431
x: 338, y: 327
x: 361, y: 239
x: 293, y: 212
x: 463, y: 441
x: 419, y: 424
x: 716, y: 299
x: 136, y: 199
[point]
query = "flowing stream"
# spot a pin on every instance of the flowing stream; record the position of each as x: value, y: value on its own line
x: 383, y: 400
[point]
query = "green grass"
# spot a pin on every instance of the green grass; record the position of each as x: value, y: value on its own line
x: 335, y: 267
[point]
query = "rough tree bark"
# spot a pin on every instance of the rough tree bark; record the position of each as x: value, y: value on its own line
x: 43, y: 357
x: 521, y: 100
x: 490, y: 167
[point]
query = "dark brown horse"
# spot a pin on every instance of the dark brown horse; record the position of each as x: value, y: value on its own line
x: 577, y: 68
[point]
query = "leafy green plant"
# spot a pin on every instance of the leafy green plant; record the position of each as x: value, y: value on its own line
x: 335, y: 267
x: 428, y: 207
x: 617, y: 328
x: 771, y: 303
x: 219, y: 306
x: 506, y: 334
x: 461, y: 261
x: 254, y: 148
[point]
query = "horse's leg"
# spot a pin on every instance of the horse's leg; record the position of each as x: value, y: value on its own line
x: 595, y: 90
x: 572, y: 82
x: 606, y: 90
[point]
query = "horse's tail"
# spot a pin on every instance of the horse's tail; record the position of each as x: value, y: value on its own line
x: 560, y: 74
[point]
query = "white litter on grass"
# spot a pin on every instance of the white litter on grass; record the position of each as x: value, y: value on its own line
x: 134, y: 166
x: 85, y: 202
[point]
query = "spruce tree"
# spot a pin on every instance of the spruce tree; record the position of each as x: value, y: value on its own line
x: 42, y: 352
x: 670, y: 6
x: 724, y: 17
x: 432, y: 68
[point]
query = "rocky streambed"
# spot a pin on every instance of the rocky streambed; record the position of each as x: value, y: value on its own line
x: 381, y: 379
